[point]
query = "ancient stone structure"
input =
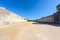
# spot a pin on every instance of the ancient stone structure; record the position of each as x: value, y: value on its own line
x: 55, y: 18
x: 46, y: 19
x: 8, y: 17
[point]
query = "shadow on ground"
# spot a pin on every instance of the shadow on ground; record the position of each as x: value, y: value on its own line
x: 48, y: 23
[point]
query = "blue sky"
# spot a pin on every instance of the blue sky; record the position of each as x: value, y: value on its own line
x: 31, y: 9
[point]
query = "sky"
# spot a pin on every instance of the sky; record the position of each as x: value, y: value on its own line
x: 31, y: 9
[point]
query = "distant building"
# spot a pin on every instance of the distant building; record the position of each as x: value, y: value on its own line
x: 46, y: 19
x: 52, y: 18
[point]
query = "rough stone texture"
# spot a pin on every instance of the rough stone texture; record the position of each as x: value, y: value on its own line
x: 7, y: 17
x: 46, y: 19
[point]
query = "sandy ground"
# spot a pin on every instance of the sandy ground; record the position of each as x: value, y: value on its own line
x: 29, y: 31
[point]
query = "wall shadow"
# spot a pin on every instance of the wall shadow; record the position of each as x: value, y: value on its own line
x: 48, y: 23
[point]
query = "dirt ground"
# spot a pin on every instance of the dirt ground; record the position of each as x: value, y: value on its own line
x: 29, y: 31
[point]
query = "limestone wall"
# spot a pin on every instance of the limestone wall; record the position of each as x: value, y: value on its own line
x: 47, y: 19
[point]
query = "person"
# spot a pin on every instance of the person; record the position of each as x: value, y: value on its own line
x: 57, y: 14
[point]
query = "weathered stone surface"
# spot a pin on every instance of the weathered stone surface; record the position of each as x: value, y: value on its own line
x: 7, y: 17
x: 46, y: 19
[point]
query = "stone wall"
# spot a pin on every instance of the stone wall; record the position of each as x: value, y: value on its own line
x: 8, y: 17
x: 46, y: 19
